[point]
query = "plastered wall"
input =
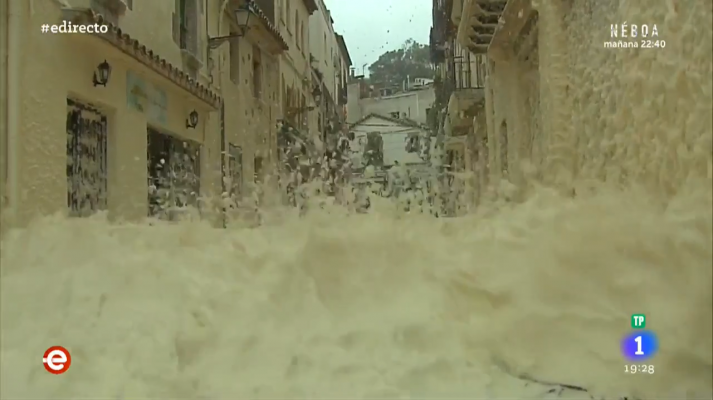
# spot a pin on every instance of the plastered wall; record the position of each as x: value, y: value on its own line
x: 622, y: 116
x: 43, y: 114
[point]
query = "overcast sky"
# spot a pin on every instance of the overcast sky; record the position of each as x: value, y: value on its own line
x: 371, y: 27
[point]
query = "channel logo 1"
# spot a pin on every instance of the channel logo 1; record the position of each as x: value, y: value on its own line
x: 640, y: 344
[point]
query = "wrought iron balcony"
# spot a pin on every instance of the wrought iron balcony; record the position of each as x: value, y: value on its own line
x: 468, y: 95
x: 469, y: 73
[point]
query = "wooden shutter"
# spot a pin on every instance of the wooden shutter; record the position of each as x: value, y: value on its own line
x: 176, y: 22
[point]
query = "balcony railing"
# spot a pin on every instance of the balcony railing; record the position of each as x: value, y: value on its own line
x: 470, y: 73
x: 268, y: 7
x: 449, y: 84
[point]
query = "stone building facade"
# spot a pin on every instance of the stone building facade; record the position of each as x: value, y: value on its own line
x: 295, y: 73
x: 171, y: 104
x: 562, y: 108
x: 327, y: 66
x: 246, y: 71
x: 81, y: 142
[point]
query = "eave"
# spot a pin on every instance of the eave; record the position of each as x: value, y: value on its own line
x: 139, y: 52
x: 264, y: 26
x: 311, y: 6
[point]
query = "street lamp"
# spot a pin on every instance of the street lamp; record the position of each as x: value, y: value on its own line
x: 242, y: 14
x: 242, y: 17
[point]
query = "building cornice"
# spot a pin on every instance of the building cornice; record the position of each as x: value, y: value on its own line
x: 139, y: 52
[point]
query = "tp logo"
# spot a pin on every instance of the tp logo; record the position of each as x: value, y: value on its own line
x: 56, y: 360
x: 638, y: 321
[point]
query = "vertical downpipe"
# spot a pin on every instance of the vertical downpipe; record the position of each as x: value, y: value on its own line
x: 3, y: 106
x: 223, y: 166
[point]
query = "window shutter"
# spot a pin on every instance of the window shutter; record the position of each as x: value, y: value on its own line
x: 176, y: 22
x: 176, y: 26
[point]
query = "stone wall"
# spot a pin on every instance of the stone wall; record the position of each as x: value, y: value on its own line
x: 579, y: 112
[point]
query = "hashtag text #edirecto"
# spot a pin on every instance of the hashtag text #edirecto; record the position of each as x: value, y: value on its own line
x: 68, y: 27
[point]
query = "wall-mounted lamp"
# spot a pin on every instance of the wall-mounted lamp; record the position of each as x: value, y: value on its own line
x: 102, y: 74
x: 192, y: 120
x: 242, y: 17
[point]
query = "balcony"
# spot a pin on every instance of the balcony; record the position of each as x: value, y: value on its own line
x: 478, y: 23
x: 469, y: 75
x: 518, y: 33
x: 457, y: 11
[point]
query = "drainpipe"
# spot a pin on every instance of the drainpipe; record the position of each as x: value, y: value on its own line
x: 223, y: 141
x: 15, y: 18
x: 3, y: 106
x: 223, y: 166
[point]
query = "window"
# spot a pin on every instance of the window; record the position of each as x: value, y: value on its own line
x: 257, y: 167
x: 234, y: 60
x: 297, y: 24
x: 298, y: 32
x: 257, y: 71
x: 174, y: 174
x: 287, y: 16
x: 185, y: 26
x: 302, y: 37
x: 86, y: 159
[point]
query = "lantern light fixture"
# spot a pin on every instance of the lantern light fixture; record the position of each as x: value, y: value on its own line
x: 102, y: 74
x: 242, y: 18
x: 192, y: 120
